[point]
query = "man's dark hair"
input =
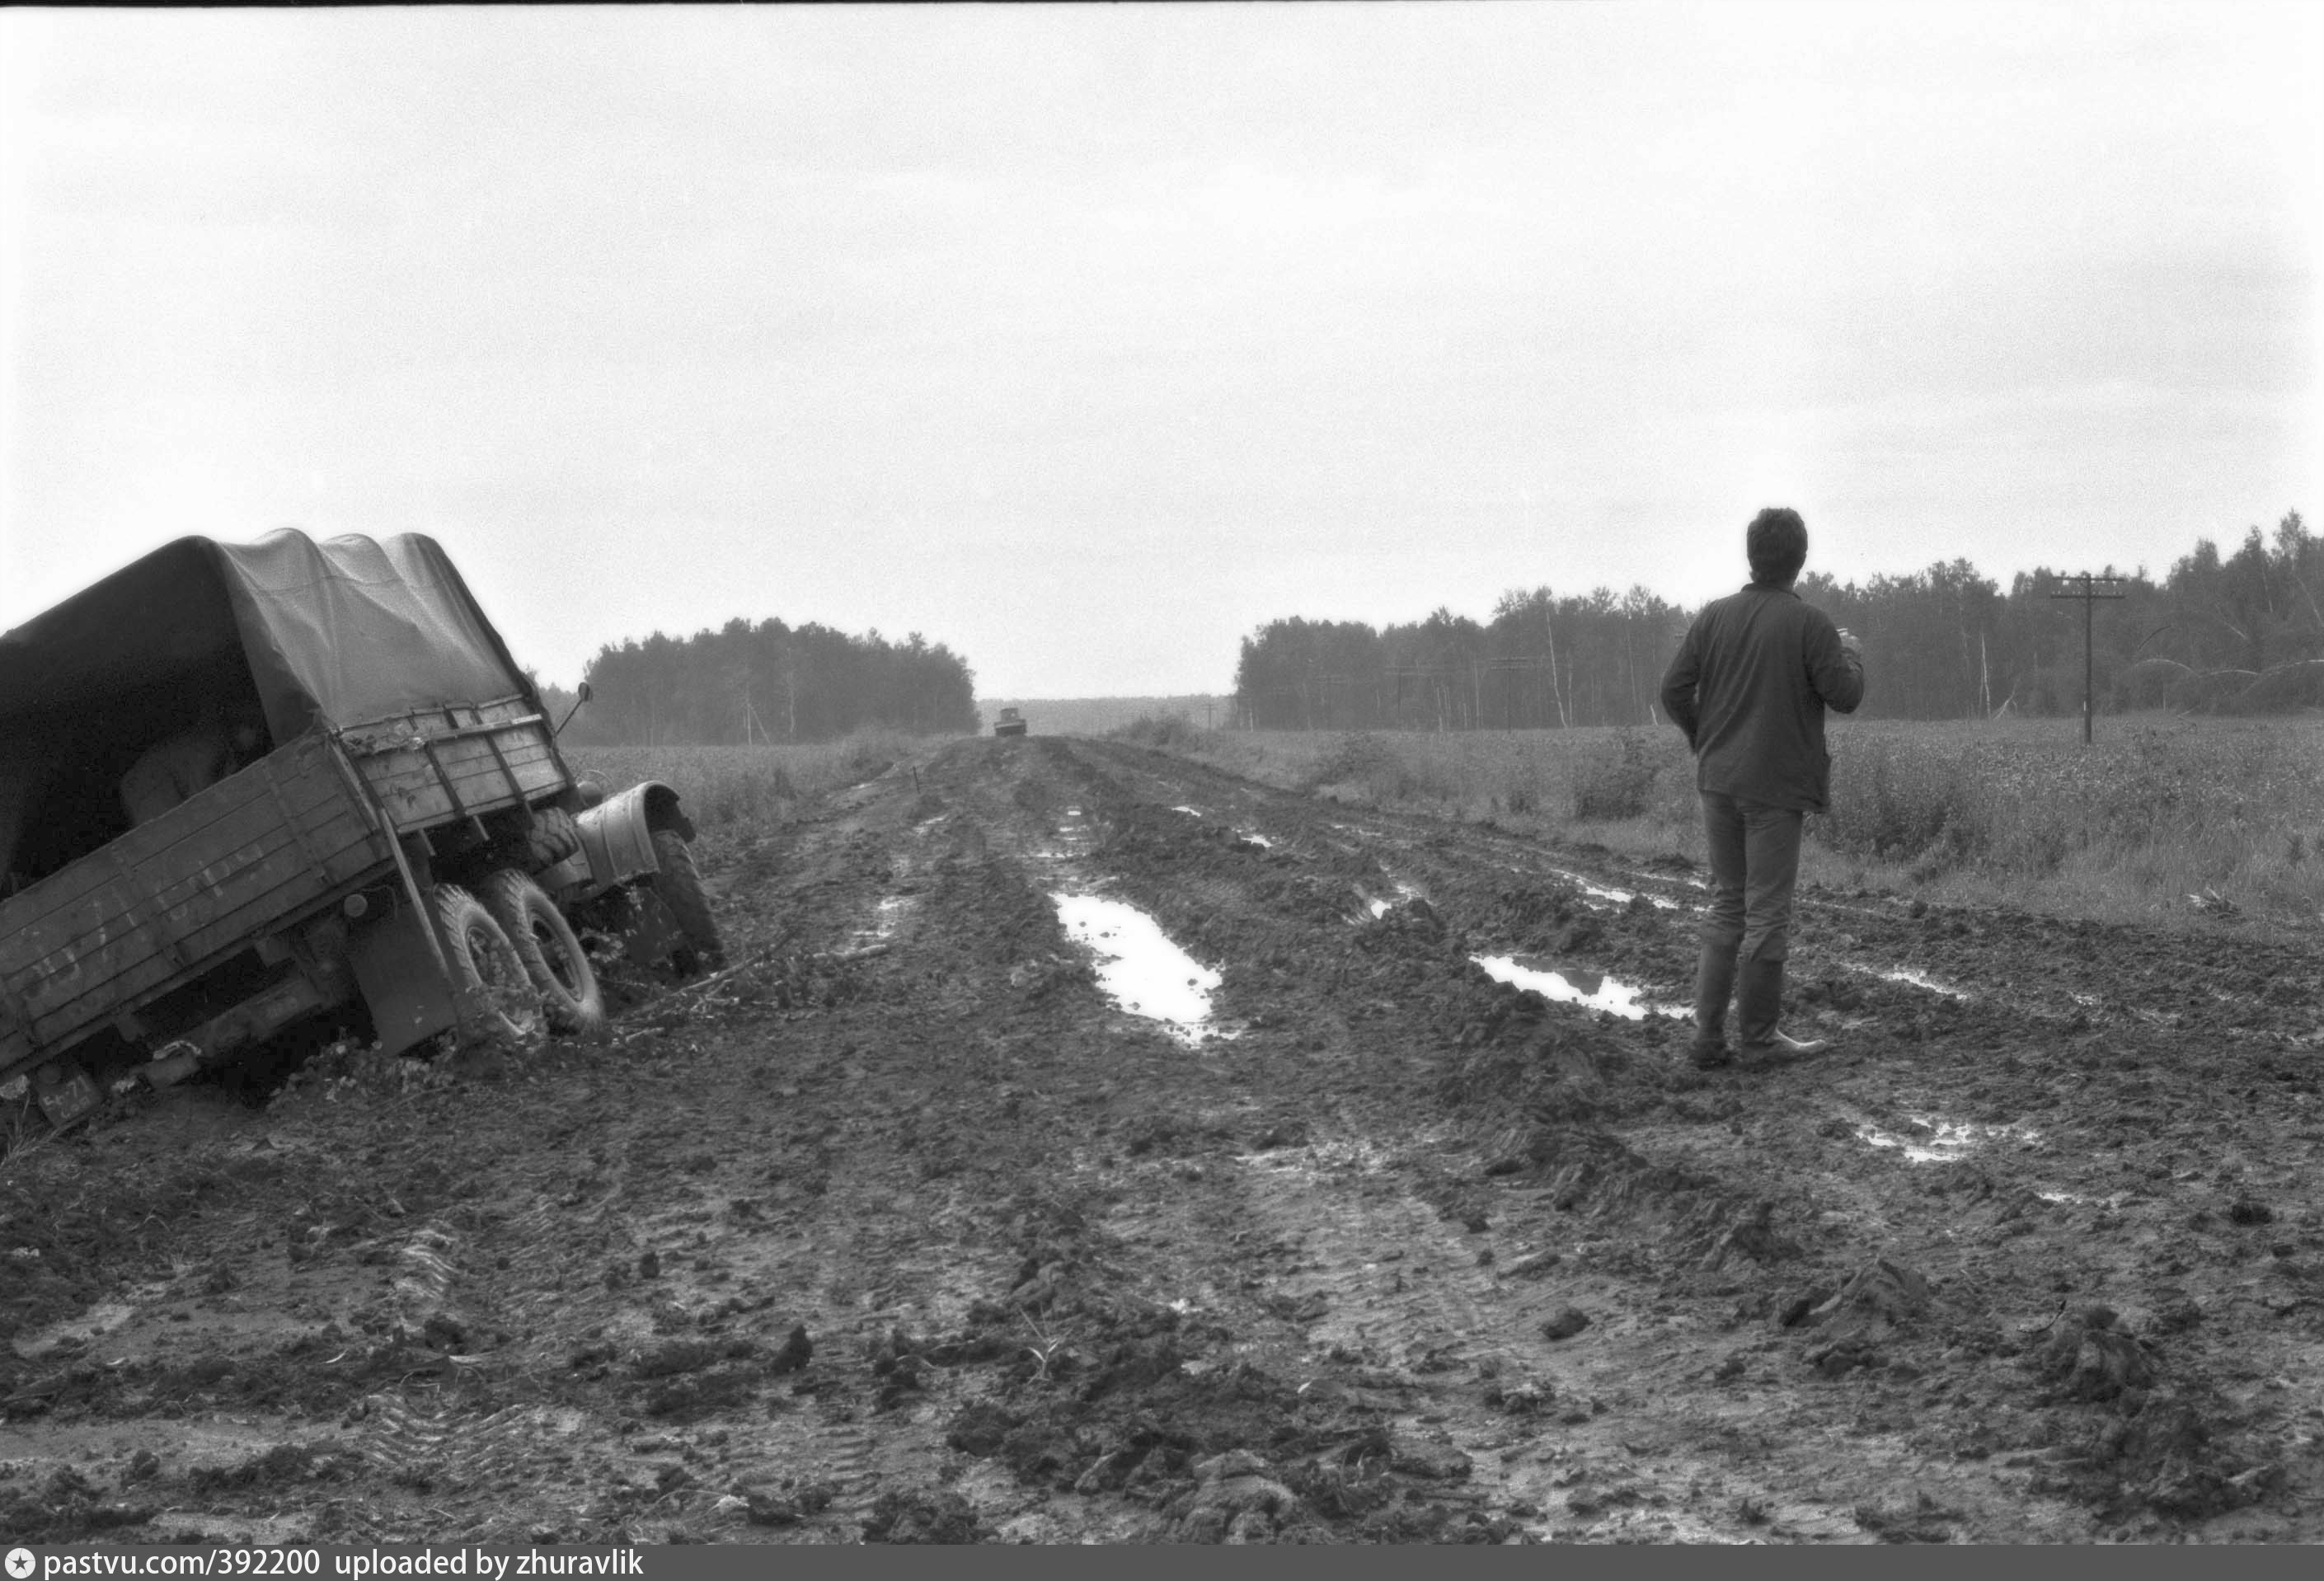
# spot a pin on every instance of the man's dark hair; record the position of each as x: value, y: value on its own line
x: 1777, y: 544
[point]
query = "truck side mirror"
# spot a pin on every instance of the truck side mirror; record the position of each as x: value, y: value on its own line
x: 578, y: 699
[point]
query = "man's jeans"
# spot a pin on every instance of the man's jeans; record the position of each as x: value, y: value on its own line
x: 1755, y: 862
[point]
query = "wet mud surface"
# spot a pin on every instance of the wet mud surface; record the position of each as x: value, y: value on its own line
x: 904, y: 1229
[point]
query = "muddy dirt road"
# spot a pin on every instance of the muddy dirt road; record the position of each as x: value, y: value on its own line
x: 905, y: 1228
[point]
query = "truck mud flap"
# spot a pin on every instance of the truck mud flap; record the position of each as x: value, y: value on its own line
x: 402, y: 980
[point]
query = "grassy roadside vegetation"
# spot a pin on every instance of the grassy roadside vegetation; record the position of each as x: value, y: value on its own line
x: 2014, y: 812
x: 725, y: 786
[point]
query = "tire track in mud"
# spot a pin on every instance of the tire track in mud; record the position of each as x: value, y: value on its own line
x: 426, y: 1271
x: 1391, y: 1281
x: 1423, y: 1301
x: 1381, y: 1278
x: 421, y: 1444
x: 659, y: 1226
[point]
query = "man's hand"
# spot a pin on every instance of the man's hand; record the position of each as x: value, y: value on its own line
x: 1851, y: 642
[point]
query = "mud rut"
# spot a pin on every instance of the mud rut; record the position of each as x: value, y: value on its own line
x: 902, y: 1229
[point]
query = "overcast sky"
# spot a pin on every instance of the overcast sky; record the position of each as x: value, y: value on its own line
x: 1086, y: 340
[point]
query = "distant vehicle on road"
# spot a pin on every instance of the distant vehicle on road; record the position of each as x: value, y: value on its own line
x: 1010, y: 723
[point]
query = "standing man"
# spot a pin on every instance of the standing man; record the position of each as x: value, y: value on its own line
x: 1749, y: 686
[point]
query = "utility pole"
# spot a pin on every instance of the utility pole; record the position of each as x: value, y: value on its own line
x: 2089, y: 589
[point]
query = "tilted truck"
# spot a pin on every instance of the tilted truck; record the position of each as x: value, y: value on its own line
x: 247, y: 787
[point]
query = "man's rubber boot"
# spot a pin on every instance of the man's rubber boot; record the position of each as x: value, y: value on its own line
x: 1760, y: 1004
x: 1714, y: 985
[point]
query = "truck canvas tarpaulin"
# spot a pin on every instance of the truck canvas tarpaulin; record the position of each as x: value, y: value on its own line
x: 290, y: 631
x: 338, y: 633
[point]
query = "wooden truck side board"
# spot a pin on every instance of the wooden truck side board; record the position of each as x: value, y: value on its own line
x: 175, y: 896
x: 450, y: 764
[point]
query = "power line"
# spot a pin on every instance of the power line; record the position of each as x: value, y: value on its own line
x: 2092, y: 588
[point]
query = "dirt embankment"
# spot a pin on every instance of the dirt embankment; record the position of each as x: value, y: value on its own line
x: 906, y: 1229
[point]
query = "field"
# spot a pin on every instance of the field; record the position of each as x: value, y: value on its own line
x: 1390, y: 1212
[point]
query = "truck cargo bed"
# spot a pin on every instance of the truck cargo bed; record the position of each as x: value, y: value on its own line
x: 175, y: 896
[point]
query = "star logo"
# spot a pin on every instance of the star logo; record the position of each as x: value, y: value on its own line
x: 20, y: 1563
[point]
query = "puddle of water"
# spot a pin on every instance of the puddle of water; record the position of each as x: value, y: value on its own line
x: 1944, y: 1141
x: 1923, y: 980
x: 101, y: 1319
x: 886, y: 913
x: 1618, y: 896
x: 2076, y: 1200
x: 1319, y: 1159
x: 1137, y: 965
x: 1568, y: 985
x: 1068, y: 842
x: 1378, y: 907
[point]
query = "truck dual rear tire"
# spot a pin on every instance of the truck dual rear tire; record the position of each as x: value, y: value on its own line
x: 552, y: 955
x: 485, y: 963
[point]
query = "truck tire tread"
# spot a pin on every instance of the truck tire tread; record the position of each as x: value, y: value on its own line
x: 679, y: 885
x: 553, y: 958
x: 481, y: 956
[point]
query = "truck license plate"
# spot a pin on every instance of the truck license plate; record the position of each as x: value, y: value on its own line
x: 65, y: 1093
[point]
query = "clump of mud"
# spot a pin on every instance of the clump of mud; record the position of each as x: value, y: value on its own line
x: 67, y: 1507
x: 1542, y: 1087
x: 1101, y: 1394
x: 2175, y: 1448
x: 933, y: 1517
x: 284, y: 1463
x: 1850, y: 1323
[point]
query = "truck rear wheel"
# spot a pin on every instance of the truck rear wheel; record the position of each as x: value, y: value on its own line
x: 553, y: 957
x: 484, y: 963
x: 679, y: 885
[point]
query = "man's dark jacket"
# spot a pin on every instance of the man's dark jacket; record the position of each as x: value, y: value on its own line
x: 1749, y: 686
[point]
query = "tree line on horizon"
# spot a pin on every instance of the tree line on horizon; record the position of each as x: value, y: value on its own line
x: 2236, y: 633
x: 768, y: 682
